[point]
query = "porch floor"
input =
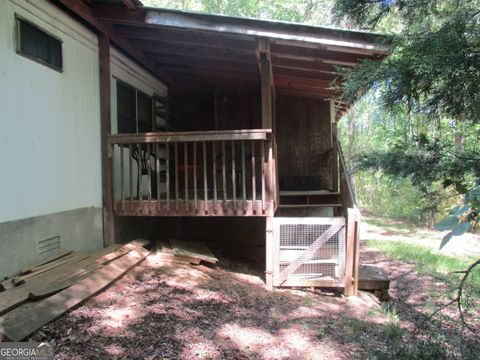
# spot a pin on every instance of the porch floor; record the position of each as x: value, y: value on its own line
x: 182, y: 207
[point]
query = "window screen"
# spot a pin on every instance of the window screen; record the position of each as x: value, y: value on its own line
x: 126, y: 109
x: 145, y: 119
x: 38, y: 45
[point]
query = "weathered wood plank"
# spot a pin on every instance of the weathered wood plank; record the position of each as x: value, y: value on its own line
x: 214, y: 175
x: 195, y: 249
x: 244, y: 185
x: 234, y: 180
x: 205, y: 189
x: 224, y: 173
x: 195, y: 196
x: 21, y: 322
x: 185, y: 166
x: 191, y: 136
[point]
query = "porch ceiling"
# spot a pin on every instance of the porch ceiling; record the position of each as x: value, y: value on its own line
x: 199, y: 50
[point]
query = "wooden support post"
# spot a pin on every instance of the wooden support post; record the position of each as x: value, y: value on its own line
x: 352, y: 254
x: 333, y: 140
x: 266, y: 82
x: 269, y: 252
x: 107, y: 150
x: 263, y: 54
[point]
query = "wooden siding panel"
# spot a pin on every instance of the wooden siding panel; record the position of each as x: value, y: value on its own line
x: 303, y: 138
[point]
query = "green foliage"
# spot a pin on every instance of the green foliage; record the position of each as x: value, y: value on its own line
x: 433, y: 74
x: 435, y: 63
x: 304, y: 11
x: 430, y: 262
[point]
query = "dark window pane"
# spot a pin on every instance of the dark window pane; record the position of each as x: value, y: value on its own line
x: 39, y: 45
x: 126, y: 109
x: 144, y: 113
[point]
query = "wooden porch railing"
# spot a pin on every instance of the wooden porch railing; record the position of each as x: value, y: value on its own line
x: 201, y: 173
x: 353, y: 218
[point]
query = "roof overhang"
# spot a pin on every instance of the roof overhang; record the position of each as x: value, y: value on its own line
x: 196, y: 49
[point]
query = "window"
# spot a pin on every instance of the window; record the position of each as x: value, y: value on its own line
x: 134, y: 110
x: 38, y: 45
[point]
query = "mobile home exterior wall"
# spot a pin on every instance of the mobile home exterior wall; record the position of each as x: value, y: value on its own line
x: 50, y: 164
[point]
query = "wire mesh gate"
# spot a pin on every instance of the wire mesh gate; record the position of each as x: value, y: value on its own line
x: 308, y: 251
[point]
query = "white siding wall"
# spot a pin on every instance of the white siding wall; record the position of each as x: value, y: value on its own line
x: 49, y: 121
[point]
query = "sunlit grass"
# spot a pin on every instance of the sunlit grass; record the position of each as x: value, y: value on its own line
x: 429, y: 261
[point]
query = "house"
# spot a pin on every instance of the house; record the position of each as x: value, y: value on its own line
x: 120, y: 121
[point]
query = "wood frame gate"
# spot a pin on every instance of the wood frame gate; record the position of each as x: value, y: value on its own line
x: 309, y: 252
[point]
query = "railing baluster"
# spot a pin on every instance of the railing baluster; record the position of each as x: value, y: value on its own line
x: 244, y: 184
x: 130, y: 169
x: 205, y: 190
x: 234, y: 178
x: 262, y: 154
x: 224, y: 176
x: 157, y: 168
x: 149, y: 174
x: 176, y: 175
x: 254, y: 189
x: 195, y: 175
x: 122, y: 178
x: 157, y: 156
x: 214, y: 170
x: 167, y: 172
x: 185, y: 166
x: 139, y: 185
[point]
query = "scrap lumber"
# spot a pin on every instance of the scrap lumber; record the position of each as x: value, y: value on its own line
x: 196, y: 250
x: 60, y: 277
x: 18, y: 280
x: 15, y: 281
x: 47, y: 261
x: 21, y: 322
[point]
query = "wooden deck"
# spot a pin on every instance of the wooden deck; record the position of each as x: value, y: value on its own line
x: 182, y: 208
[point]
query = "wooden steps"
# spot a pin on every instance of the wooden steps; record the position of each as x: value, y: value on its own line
x: 371, y: 279
x: 297, y: 206
x: 50, y: 291
x: 316, y: 197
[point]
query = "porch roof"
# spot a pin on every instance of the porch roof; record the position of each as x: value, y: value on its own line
x: 188, y: 49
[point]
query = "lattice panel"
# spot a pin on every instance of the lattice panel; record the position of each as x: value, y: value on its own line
x: 308, y: 249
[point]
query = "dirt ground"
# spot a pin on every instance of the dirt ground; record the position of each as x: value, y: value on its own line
x: 161, y: 311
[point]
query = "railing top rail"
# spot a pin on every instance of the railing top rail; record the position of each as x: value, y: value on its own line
x: 345, y: 172
x: 190, y: 136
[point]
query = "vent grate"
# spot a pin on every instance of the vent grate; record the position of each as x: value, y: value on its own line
x: 49, y: 247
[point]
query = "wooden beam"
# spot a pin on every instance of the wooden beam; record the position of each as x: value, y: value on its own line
x: 172, y: 36
x: 308, y: 74
x: 318, y: 53
x: 203, y: 61
x: 190, y: 136
x: 130, y: 4
x: 303, y: 64
x: 303, y: 94
x: 169, y: 65
x: 85, y: 12
x: 196, y: 52
x: 105, y: 130
x: 303, y: 81
x: 219, y: 73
